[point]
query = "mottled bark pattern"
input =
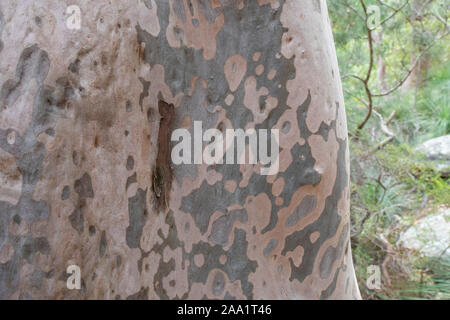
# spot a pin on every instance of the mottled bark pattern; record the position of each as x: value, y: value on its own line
x: 80, y: 128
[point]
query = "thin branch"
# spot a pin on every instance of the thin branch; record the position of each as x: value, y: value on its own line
x: 399, y: 84
x: 354, y: 10
x: 369, y: 70
x: 356, y: 97
x: 393, y: 14
x: 385, y: 129
x: 370, y: 106
x: 385, y: 4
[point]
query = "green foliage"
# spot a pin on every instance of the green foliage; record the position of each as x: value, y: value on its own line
x: 394, y: 185
x: 432, y: 282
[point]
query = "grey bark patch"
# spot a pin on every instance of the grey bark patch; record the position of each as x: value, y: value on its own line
x: 17, y: 219
x: 189, y: 107
x: 50, y: 274
x: 83, y: 187
x: 77, y: 220
x: 230, y: 3
x: 332, y: 254
x: 304, y: 208
x: 33, y: 245
x: 286, y: 127
x: 33, y: 64
x: 75, y: 158
x: 218, y: 284
x: 64, y: 276
x: 130, y: 163
x: 130, y: 180
x: 128, y: 106
x: 270, y: 246
x: 221, y: 228
x: 237, y: 267
x: 74, y: 67
x: 144, y: 93
x: 148, y: 4
x: 29, y: 153
x: 178, y: 8
x: 65, y: 194
x: 137, y: 215
x: 50, y: 132
x: 328, y: 222
x: 228, y: 296
x: 327, y: 261
x: 29, y: 162
x: 36, y: 278
x: 140, y: 295
x: 203, y: 202
x: 38, y: 21
x: 347, y: 284
x: 165, y: 268
x: 182, y: 64
x: 50, y: 103
x: 329, y: 291
x: 91, y: 230
x: 9, y: 278
x: 206, y: 9
x: 4, y: 221
x: 102, y: 246
x: 191, y: 7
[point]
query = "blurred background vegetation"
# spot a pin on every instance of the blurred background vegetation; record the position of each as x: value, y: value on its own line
x: 396, y: 78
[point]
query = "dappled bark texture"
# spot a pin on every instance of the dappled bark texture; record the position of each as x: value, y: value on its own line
x: 84, y: 178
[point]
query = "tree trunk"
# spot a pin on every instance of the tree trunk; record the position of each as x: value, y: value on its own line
x: 87, y: 175
x: 419, y: 62
x: 381, y: 63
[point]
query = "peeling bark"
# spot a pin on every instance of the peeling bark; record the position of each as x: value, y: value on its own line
x: 162, y: 175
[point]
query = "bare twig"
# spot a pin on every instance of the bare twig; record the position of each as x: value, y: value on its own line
x: 393, y: 14
x: 418, y: 59
x: 365, y: 81
x: 444, y: 251
x: 385, y: 129
x: 387, y: 259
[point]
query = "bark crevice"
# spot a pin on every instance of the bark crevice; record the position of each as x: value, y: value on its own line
x: 162, y: 173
